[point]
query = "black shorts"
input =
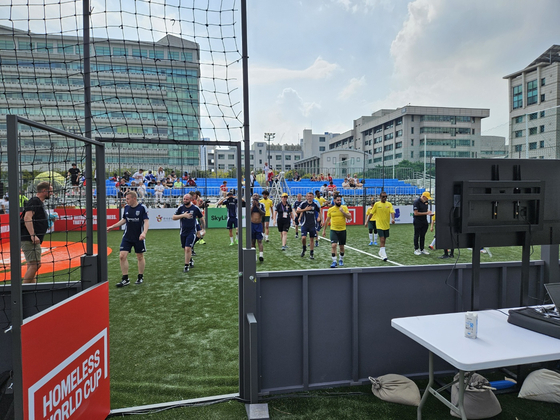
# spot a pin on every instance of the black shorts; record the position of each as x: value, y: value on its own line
x: 283, y: 225
x: 338, y: 237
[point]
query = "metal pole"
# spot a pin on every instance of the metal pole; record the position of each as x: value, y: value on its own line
x: 526, y: 136
x: 425, y: 142
x: 87, y: 126
x: 15, y: 261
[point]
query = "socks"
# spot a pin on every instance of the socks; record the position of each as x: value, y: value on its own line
x: 231, y: 239
x: 261, y: 254
x: 375, y: 237
x: 433, y: 243
x: 140, y: 276
x: 333, y: 257
x: 125, y: 277
x: 371, y: 237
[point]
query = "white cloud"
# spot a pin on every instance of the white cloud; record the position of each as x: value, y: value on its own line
x: 320, y: 69
x: 354, y: 86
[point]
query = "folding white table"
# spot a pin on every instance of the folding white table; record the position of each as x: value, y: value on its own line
x: 499, y: 344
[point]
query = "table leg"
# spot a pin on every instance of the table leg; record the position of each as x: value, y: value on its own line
x: 462, y: 395
x: 430, y: 383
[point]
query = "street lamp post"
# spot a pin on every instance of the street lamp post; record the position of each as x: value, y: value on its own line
x: 269, y: 136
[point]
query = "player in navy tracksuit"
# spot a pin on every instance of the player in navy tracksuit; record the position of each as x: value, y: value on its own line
x: 135, y: 216
x: 188, y: 214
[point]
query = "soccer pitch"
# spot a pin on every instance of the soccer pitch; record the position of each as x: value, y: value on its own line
x: 175, y: 337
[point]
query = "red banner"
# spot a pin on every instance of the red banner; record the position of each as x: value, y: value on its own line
x: 75, y: 219
x: 356, y: 212
x: 65, y: 359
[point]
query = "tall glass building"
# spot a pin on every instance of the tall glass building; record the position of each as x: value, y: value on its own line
x: 146, y: 91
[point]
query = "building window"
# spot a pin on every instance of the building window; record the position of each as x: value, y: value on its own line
x: 288, y: 157
x: 519, y: 119
x: 533, y: 145
x: 541, y: 144
x: 296, y: 157
x: 541, y: 128
x: 411, y: 130
x: 139, y: 53
x: 231, y: 157
x: 251, y: 157
x: 221, y: 156
x: 412, y: 142
x: 518, y: 133
x: 518, y: 147
x: 532, y: 92
x: 411, y: 155
x: 260, y: 161
x: 157, y: 54
x: 278, y: 157
x: 119, y: 52
x: 321, y: 148
x: 321, y: 139
x: 412, y: 118
x: 221, y: 166
x: 288, y: 167
x: 278, y: 167
x: 399, y: 133
x: 533, y: 116
x: 398, y: 145
x: 542, y: 98
x: 517, y: 97
x: 542, y: 114
x: 543, y: 81
x: 532, y: 131
x: 260, y: 152
x: 102, y: 50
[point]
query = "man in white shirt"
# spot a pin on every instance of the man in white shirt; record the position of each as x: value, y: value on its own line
x: 158, y: 192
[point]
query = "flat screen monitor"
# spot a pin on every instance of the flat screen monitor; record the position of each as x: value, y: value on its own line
x: 503, y: 200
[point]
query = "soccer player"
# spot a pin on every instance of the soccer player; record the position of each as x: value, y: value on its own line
x: 269, y: 208
x: 384, y: 215
x: 284, y: 215
x: 231, y: 204
x: 188, y: 214
x: 337, y: 215
x: 297, y: 203
x: 420, y: 222
x: 257, y: 216
x: 34, y: 225
x: 135, y: 216
x: 310, y: 213
x: 370, y: 224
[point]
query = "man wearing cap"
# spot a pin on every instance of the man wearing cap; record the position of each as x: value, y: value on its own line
x: 257, y: 216
x: 420, y: 222
x: 284, y: 216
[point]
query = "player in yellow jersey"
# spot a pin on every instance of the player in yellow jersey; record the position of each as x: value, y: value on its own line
x: 384, y: 215
x: 370, y: 224
x: 337, y: 215
x: 269, y: 208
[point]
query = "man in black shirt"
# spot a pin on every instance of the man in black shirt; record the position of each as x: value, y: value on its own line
x: 284, y: 216
x: 34, y: 224
x: 74, y: 175
x: 420, y: 222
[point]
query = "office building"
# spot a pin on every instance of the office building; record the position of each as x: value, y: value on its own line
x: 145, y: 91
x: 534, y: 101
x: 389, y: 136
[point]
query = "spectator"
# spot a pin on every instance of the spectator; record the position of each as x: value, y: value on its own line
x: 223, y: 189
x: 297, y: 178
x: 185, y: 176
x: 346, y: 183
x: 74, y: 176
x: 169, y: 181
x: 321, y: 177
x: 270, y: 177
x: 126, y: 176
x: 329, y: 177
x: 313, y: 178
x: 114, y: 178
x: 178, y: 184
x: 324, y: 190
x: 139, y: 177
x: 158, y: 192
x: 160, y: 175
x: 150, y: 179
x: 191, y: 182
x: 331, y: 188
x: 5, y: 205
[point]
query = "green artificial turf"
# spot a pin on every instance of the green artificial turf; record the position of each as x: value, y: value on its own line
x: 175, y: 337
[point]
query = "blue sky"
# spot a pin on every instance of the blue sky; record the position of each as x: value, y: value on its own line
x: 322, y: 64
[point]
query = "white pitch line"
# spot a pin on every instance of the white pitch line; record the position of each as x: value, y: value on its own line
x: 367, y: 253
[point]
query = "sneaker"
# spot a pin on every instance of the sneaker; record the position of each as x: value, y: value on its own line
x: 417, y: 252
x: 297, y: 236
x: 483, y: 251
x: 311, y: 256
x: 316, y: 243
x: 186, y: 269
x: 375, y: 242
x: 284, y: 248
x: 425, y: 252
x: 123, y: 282
x: 139, y: 281
x: 371, y: 243
x: 341, y: 263
x: 431, y: 247
x: 231, y: 244
x: 266, y: 239
x: 302, y: 253
x: 383, y: 255
x: 333, y: 265
x: 191, y: 263
x: 261, y: 259
x: 202, y: 242
x: 236, y: 242
x: 444, y: 257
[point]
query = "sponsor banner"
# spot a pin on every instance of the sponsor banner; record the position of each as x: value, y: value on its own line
x: 4, y: 226
x: 162, y: 218
x: 65, y: 359
x: 75, y: 219
x: 217, y: 217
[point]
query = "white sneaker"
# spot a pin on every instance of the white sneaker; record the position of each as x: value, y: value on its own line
x: 383, y: 255
x: 417, y: 252
x: 425, y: 252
